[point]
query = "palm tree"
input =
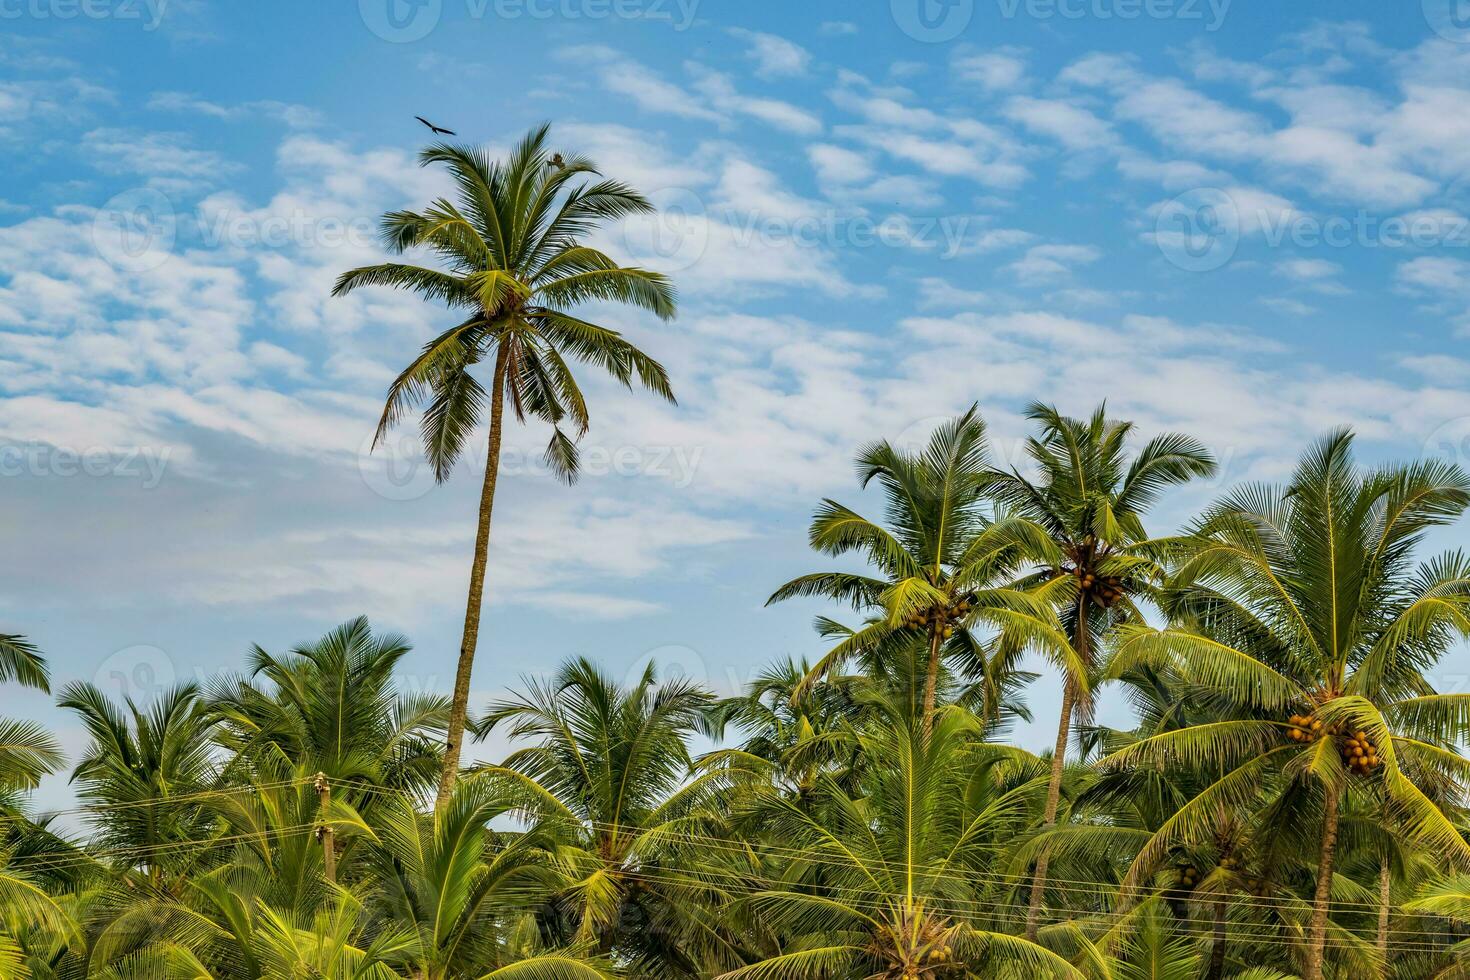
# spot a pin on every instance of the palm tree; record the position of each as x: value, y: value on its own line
x: 137, y: 762
x: 609, y: 774
x: 944, y: 564
x: 460, y: 896
x: 332, y: 707
x: 20, y: 661
x: 27, y: 750
x: 1087, y: 502
x: 1302, y: 605
x: 895, y: 882
x: 513, y: 266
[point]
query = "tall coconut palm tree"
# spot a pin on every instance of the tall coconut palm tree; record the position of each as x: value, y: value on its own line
x: 512, y: 263
x: 944, y: 564
x: 1087, y: 501
x: 1304, y: 604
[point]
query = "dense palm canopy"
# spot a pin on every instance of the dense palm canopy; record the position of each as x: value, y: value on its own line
x: 1289, y: 798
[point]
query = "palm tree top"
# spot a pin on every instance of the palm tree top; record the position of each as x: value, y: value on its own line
x: 513, y: 264
x: 1088, y: 491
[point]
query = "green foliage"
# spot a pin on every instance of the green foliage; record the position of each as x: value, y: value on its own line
x: 1289, y: 801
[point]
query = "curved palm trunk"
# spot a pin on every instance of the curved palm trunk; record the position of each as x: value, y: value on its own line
x: 1058, y: 761
x: 1317, y: 930
x: 459, y: 705
x: 1385, y: 880
x: 931, y: 680
x: 1053, y: 800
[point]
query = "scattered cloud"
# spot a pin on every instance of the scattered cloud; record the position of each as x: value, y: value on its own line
x: 774, y: 57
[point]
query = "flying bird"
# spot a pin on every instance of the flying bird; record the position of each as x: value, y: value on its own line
x: 436, y: 129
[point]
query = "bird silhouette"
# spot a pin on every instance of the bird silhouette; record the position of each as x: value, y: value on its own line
x: 436, y: 129
x: 556, y: 161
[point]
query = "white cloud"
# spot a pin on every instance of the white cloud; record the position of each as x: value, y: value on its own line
x: 775, y: 57
x: 293, y: 116
x: 1072, y: 126
x: 993, y: 71
x: 940, y: 294
x: 165, y: 159
x: 643, y: 86
x: 839, y: 165
x: 722, y: 95
x: 1044, y: 264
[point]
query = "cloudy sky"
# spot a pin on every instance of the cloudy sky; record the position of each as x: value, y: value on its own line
x: 1245, y: 220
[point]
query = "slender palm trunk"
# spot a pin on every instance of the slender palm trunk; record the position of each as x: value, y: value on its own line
x: 1385, y: 880
x: 931, y: 679
x: 1217, y: 952
x: 1058, y: 761
x: 459, y: 706
x: 1317, y: 929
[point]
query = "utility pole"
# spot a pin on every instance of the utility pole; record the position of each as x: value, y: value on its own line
x: 324, y: 831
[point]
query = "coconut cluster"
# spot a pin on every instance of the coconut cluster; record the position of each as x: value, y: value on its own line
x: 1359, y: 753
x: 1304, y: 728
x: 941, y: 618
x: 1188, y: 877
x: 1105, y: 589
x: 1259, y: 887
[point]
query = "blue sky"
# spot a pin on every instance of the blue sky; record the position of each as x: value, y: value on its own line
x: 1243, y: 220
